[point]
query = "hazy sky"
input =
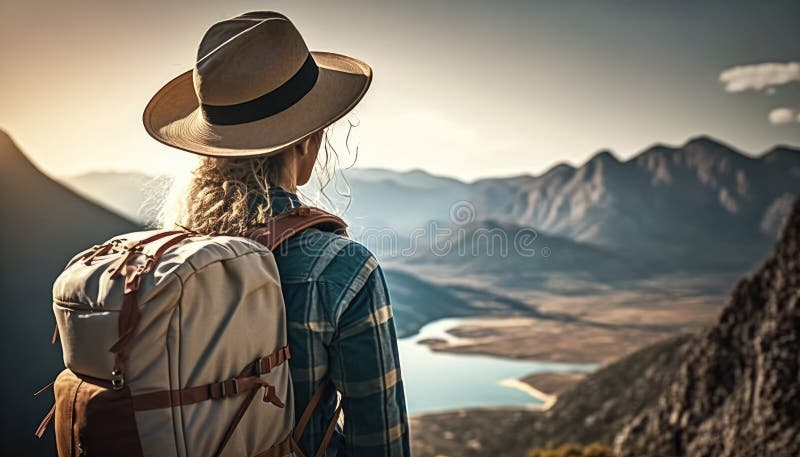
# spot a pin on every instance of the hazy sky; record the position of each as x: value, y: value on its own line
x: 461, y: 88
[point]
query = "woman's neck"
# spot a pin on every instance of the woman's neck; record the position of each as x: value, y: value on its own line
x: 287, y: 178
x: 287, y: 185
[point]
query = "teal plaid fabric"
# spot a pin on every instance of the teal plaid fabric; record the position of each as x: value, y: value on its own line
x: 340, y: 328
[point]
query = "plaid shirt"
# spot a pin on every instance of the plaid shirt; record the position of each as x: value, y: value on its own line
x: 340, y: 327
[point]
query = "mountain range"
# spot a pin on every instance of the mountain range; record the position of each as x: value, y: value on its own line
x: 702, y: 206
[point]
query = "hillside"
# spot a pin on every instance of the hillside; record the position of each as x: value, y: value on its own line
x: 591, y: 411
x: 45, y: 224
x: 511, y: 253
x: 737, y: 393
x: 412, y: 298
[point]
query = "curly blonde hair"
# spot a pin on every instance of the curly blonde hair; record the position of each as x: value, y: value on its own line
x: 228, y: 195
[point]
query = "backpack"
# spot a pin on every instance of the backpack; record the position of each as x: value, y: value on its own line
x: 175, y: 343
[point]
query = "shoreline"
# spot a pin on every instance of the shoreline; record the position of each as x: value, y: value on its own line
x: 548, y: 400
x: 533, y: 339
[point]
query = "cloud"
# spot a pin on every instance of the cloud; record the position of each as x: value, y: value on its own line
x: 760, y: 76
x: 783, y: 115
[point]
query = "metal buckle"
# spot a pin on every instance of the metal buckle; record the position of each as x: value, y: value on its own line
x: 211, y: 392
x: 117, y: 380
x: 233, y: 390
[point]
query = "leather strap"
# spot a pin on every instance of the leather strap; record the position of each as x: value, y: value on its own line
x: 235, y: 422
x: 329, y: 432
x: 269, y: 396
x: 296, y: 449
x: 312, y: 405
x: 45, y: 422
x: 309, y: 411
x: 54, y: 339
x: 248, y: 380
x: 281, y: 449
x: 47, y: 418
x: 277, y: 230
x: 130, y: 315
x: 44, y: 389
x: 281, y: 227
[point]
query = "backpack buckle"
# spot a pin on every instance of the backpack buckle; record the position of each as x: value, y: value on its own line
x: 223, y: 389
x: 117, y: 380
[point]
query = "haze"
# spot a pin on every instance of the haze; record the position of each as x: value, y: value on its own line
x: 462, y: 88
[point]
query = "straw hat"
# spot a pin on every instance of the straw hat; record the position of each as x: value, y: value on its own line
x: 255, y: 89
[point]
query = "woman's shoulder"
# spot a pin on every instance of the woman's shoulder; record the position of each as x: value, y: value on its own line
x: 329, y: 257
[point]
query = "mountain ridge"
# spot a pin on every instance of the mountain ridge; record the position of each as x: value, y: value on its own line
x: 699, y: 206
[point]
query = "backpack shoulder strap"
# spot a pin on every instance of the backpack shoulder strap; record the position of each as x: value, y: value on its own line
x: 279, y: 228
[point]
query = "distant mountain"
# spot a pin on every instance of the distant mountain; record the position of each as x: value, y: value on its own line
x: 419, y: 179
x: 401, y: 201
x: 134, y: 195
x: 44, y: 225
x: 737, y: 392
x: 698, y: 205
x: 703, y: 206
x: 510, y: 252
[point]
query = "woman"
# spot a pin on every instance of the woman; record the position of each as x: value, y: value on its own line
x: 256, y: 105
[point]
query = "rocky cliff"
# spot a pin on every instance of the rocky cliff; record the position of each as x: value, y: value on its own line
x: 737, y: 393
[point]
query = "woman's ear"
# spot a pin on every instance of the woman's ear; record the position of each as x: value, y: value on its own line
x: 305, y: 146
x: 312, y: 142
x: 300, y: 148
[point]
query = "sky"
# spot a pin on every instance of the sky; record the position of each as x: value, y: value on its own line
x: 461, y: 88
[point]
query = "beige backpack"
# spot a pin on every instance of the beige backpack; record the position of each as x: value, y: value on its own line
x: 175, y: 345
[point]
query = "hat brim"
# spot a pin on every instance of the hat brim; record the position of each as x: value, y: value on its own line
x: 174, y: 118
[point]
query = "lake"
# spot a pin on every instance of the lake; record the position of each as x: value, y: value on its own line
x: 438, y: 381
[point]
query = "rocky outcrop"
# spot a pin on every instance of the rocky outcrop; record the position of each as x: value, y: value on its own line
x: 738, y: 391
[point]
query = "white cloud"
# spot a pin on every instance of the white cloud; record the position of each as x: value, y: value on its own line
x: 760, y: 76
x: 783, y: 115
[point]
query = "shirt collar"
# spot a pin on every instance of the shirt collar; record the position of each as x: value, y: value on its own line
x: 282, y: 200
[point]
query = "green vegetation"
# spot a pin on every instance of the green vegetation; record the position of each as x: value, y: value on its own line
x: 570, y: 450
